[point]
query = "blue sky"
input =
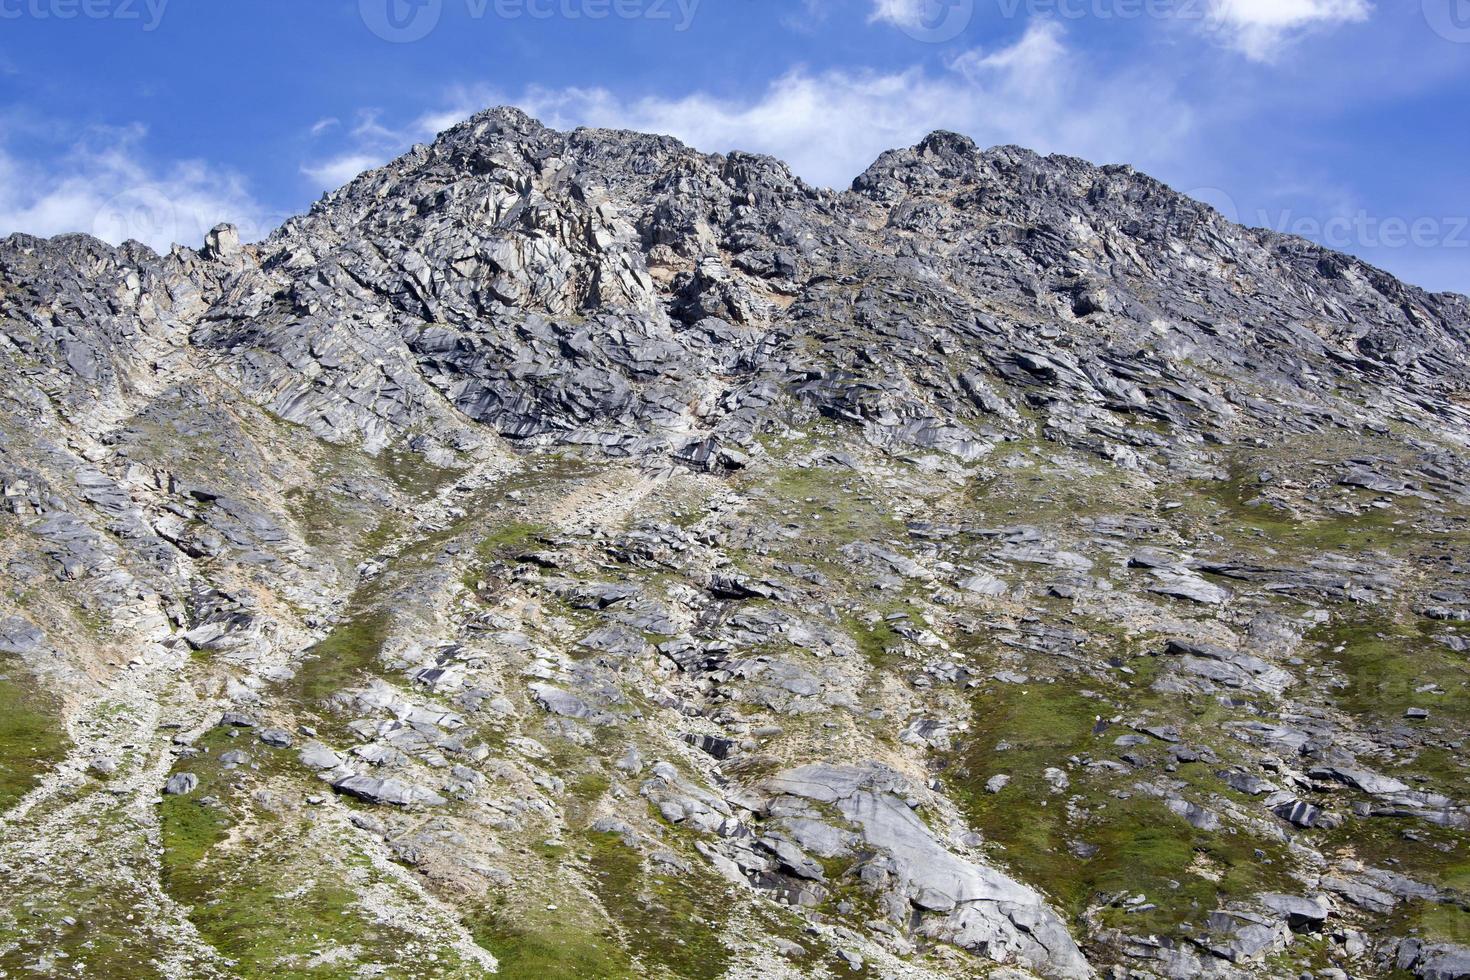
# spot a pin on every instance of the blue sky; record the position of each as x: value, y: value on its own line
x: 1344, y: 120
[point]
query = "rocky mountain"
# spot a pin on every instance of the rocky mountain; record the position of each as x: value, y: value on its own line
x: 574, y: 555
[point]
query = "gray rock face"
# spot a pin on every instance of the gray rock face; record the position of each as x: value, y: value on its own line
x: 560, y: 702
x: 473, y: 312
x: 1361, y: 779
x: 17, y: 636
x: 394, y: 791
x: 1434, y: 961
x: 975, y: 907
x: 1229, y: 668
x: 546, y: 494
x: 277, y: 738
x: 1298, y: 913
x: 1189, y: 587
x: 1240, y: 937
x: 315, y: 755
x: 181, y: 784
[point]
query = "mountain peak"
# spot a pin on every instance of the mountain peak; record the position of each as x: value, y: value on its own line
x: 580, y: 555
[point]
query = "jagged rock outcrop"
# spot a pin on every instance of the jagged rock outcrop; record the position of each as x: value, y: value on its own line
x: 579, y: 552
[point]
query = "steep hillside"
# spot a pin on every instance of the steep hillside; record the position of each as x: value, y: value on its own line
x: 573, y: 555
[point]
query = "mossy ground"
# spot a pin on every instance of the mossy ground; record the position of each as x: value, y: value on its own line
x: 503, y: 543
x: 104, y: 939
x: 344, y: 658
x: 32, y: 738
x: 824, y: 507
x: 1239, y: 509
x: 544, y: 944
x: 1142, y: 848
x: 875, y: 642
x: 671, y: 922
x: 617, y: 915
x: 266, y: 888
x: 1433, y: 855
x: 1388, y: 663
x: 1021, y: 484
x: 411, y: 473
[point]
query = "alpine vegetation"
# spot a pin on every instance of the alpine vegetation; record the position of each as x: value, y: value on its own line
x: 573, y: 555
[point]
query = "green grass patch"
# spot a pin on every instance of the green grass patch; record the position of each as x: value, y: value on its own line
x: 875, y: 642
x: 1142, y: 848
x: 671, y: 923
x: 32, y: 739
x: 345, y: 657
x: 265, y: 891
x: 1386, y: 662
x: 831, y: 505
x: 502, y: 544
x: 506, y: 541
x: 1436, y: 855
x: 323, y: 519
x: 102, y: 941
x: 1057, y: 497
x: 551, y: 945
x: 1239, y: 506
x: 1441, y: 923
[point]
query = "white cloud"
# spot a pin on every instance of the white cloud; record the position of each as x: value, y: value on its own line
x: 1261, y: 28
x: 1033, y: 63
x: 933, y: 21
x: 370, y: 143
x: 332, y: 173
x: 371, y: 129
x: 899, y: 13
x: 102, y: 186
x: 806, y: 16
x: 431, y: 124
x: 829, y: 126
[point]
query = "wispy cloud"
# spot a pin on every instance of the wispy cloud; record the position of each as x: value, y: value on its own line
x: 830, y: 125
x: 333, y: 172
x: 1260, y: 29
x: 371, y: 143
x: 806, y: 16
x: 900, y: 13
x: 103, y: 185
